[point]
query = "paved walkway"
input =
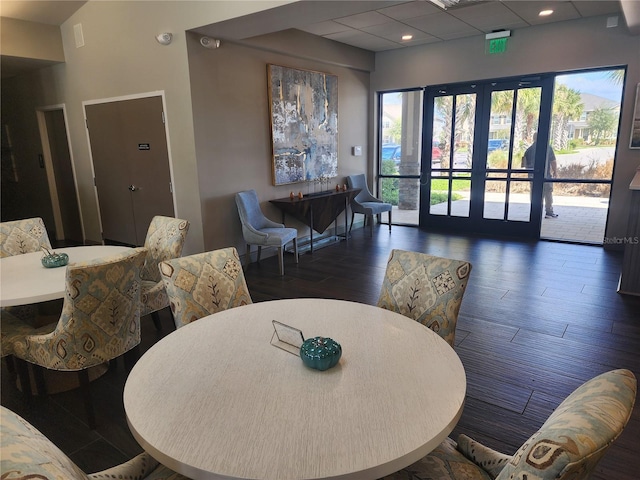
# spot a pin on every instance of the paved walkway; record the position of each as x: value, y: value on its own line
x: 580, y: 219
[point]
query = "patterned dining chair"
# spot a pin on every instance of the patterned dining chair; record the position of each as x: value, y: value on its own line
x: 203, y: 284
x: 100, y: 320
x: 16, y: 238
x: 568, y: 446
x: 165, y: 240
x: 27, y: 453
x: 23, y: 236
x: 425, y: 288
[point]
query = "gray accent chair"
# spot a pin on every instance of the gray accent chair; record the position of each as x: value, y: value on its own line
x: 365, y: 202
x: 259, y: 230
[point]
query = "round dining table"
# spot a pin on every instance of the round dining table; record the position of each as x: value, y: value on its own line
x: 216, y: 399
x: 24, y: 281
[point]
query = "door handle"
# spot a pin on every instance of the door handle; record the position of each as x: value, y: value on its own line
x: 133, y: 188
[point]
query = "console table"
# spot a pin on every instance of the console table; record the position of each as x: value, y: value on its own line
x: 318, y: 210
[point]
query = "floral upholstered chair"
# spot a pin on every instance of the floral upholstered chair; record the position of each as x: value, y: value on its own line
x: 567, y: 447
x: 23, y: 236
x: 425, y: 288
x: 27, y: 453
x: 100, y: 318
x: 165, y: 239
x: 203, y: 284
x: 16, y: 238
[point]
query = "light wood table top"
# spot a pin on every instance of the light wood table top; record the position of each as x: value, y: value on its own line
x: 215, y: 399
x: 23, y: 279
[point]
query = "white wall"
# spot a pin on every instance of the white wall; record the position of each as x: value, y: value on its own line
x: 554, y: 47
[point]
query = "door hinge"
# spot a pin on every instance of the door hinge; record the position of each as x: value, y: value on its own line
x: 86, y: 122
x: 163, y: 116
x: 170, y: 187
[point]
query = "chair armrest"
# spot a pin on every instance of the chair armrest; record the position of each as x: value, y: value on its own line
x: 365, y: 196
x: 248, y: 232
x: 486, y: 458
x: 138, y: 467
x: 271, y: 224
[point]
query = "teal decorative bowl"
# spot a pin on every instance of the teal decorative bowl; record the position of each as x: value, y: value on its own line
x: 54, y: 260
x: 320, y: 353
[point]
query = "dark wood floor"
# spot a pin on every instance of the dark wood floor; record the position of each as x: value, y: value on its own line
x: 537, y: 320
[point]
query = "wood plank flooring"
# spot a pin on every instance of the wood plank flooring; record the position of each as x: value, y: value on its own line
x: 537, y: 320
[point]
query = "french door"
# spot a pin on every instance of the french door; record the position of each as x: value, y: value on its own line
x: 475, y: 137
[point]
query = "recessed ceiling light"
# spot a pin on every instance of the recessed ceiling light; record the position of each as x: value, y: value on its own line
x: 407, y: 37
x: 545, y: 13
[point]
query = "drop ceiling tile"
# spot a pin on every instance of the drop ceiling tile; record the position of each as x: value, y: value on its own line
x: 363, y: 40
x: 362, y: 20
x: 489, y: 16
x: 395, y: 30
x: 410, y: 10
x: 594, y: 8
x: 325, y: 28
x: 443, y: 25
x: 529, y: 10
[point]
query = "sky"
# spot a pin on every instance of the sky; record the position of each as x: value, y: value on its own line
x: 595, y: 83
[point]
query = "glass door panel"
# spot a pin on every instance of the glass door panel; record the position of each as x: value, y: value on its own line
x: 482, y: 130
x: 400, y: 153
x: 452, y: 139
x: 583, y: 136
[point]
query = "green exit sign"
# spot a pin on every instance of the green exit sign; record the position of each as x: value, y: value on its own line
x: 497, y: 45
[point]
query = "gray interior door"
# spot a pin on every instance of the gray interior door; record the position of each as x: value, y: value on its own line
x: 131, y: 164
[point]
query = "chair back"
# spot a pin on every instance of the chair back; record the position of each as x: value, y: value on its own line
x: 23, y: 236
x: 359, y: 181
x: 203, y: 284
x: 578, y: 433
x: 27, y: 453
x: 251, y: 215
x: 425, y: 288
x: 165, y: 239
x: 100, y: 317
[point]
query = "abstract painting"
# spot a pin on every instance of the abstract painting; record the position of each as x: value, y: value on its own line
x: 304, y: 124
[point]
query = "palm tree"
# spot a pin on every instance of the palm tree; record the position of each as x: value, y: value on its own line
x: 567, y: 105
x: 465, y: 108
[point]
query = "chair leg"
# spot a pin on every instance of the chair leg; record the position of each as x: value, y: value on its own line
x: 131, y: 357
x: 371, y: 225
x: 11, y: 365
x: 173, y: 320
x: 23, y: 375
x: 295, y: 248
x: 247, y: 256
x: 259, y: 252
x: 281, y: 260
x: 38, y: 376
x: 389, y: 220
x: 83, y: 376
x: 352, y: 215
x: 155, y: 316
